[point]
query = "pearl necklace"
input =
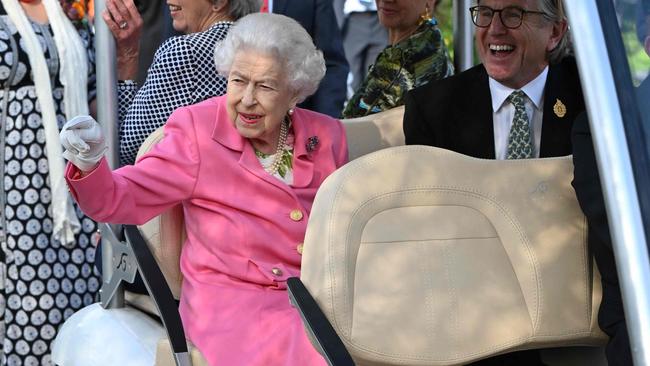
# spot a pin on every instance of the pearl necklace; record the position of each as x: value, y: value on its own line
x: 279, y: 151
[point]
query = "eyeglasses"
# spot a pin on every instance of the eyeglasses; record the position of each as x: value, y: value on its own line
x: 511, y: 16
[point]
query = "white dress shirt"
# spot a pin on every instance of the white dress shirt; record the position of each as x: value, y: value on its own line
x: 503, y: 112
x: 270, y: 3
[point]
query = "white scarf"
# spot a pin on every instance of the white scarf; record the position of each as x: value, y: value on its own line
x: 73, y: 74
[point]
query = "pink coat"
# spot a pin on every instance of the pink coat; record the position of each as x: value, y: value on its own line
x: 243, y: 227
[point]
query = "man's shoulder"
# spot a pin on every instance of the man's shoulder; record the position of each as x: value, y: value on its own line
x: 453, y: 86
x: 564, y: 72
x: 567, y: 63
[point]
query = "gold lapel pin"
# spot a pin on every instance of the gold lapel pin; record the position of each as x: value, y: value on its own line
x: 559, y: 108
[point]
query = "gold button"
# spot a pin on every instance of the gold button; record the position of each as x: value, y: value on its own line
x: 296, y: 215
x: 276, y: 271
x: 299, y: 248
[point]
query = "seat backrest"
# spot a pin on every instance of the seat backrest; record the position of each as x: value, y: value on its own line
x: 165, y: 234
x: 422, y: 256
x: 374, y: 132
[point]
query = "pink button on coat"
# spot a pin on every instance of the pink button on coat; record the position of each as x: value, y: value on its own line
x: 241, y: 239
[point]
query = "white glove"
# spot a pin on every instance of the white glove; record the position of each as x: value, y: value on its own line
x: 83, y: 140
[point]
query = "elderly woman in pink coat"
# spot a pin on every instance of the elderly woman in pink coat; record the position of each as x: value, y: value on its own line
x: 246, y: 167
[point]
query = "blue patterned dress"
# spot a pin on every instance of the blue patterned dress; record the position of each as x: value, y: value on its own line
x: 41, y: 282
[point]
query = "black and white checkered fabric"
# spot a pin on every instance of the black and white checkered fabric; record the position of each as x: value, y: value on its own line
x: 182, y: 73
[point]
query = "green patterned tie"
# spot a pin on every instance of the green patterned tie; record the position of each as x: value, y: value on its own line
x: 520, y: 145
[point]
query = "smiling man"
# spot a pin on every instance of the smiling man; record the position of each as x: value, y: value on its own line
x: 519, y: 103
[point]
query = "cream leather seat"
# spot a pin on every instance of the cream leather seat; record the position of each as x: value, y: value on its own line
x: 165, y: 233
x: 374, y: 132
x: 421, y: 256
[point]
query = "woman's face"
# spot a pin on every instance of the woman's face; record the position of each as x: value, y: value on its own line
x: 191, y: 16
x: 258, y: 98
x: 398, y: 15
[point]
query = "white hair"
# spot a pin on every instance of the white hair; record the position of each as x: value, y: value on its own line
x: 283, y: 38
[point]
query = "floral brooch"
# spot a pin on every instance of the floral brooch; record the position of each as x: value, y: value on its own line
x: 312, y: 144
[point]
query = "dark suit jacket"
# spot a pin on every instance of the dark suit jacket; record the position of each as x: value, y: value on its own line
x: 456, y: 113
x: 151, y: 38
x: 317, y: 17
x: 586, y: 183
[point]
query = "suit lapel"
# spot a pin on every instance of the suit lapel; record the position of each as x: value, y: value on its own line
x: 249, y: 161
x: 303, y: 164
x: 562, y: 103
x: 476, y: 126
x: 225, y: 134
x: 280, y: 6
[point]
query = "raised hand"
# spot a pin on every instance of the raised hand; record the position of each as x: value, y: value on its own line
x: 125, y: 22
x: 83, y: 140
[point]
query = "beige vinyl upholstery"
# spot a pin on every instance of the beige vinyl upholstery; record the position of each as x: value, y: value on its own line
x: 165, y: 233
x: 422, y: 256
x: 374, y: 132
x: 164, y: 356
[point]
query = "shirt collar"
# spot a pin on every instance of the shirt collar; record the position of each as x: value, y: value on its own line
x: 534, y: 91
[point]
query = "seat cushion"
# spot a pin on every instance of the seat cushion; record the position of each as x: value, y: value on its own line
x: 165, y: 357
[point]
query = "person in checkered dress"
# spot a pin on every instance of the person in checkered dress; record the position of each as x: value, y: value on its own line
x: 182, y: 72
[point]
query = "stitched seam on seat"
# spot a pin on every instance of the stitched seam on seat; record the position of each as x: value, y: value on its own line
x: 428, y: 297
x: 457, y: 191
x: 427, y: 240
x: 449, y: 264
x: 356, y: 165
x: 502, y: 346
x: 587, y: 289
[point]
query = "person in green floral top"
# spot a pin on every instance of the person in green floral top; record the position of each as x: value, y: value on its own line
x: 416, y: 55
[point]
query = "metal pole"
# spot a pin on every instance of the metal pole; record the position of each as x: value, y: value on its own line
x: 107, y: 117
x: 463, y: 36
x: 621, y: 198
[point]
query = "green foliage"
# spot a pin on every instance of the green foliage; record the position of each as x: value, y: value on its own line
x: 445, y: 22
x: 629, y: 18
x: 637, y: 57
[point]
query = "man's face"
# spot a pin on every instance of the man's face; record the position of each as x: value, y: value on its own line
x: 514, y: 57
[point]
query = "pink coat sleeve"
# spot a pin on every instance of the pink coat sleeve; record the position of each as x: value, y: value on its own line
x: 134, y: 194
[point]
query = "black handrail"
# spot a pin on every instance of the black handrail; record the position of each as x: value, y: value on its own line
x: 331, y: 346
x: 158, y: 288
